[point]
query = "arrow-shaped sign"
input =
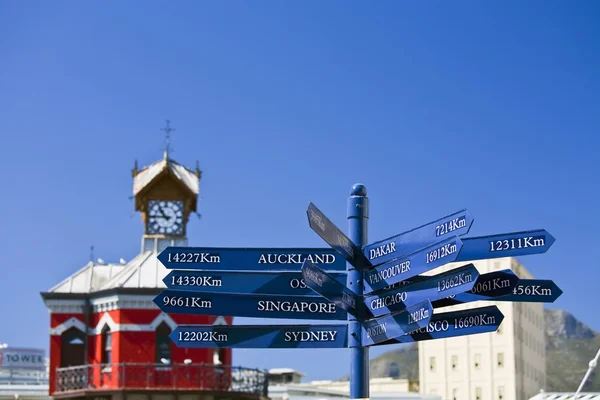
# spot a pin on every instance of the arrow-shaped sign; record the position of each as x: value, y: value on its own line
x: 261, y: 336
x: 414, y: 264
x: 433, y: 288
x: 248, y: 259
x: 390, y: 326
x: 456, y: 323
x: 534, y: 291
x: 248, y: 305
x: 246, y: 282
x: 456, y: 224
x: 327, y: 286
x: 505, y: 245
x: 334, y: 237
x: 488, y: 286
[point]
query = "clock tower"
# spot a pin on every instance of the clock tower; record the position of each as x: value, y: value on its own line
x: 165, y: 193
x: 110, y: 341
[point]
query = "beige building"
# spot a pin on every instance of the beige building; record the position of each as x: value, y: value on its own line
x: 509, y: 364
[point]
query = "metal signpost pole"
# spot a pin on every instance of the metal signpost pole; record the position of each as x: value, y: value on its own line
x: 358, y: 214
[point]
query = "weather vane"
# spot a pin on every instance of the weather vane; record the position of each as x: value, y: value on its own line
x: 168, y: 131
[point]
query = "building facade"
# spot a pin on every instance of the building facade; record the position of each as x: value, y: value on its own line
x: 23, y: 373
x: 509, y: 364
x: 109, y: 341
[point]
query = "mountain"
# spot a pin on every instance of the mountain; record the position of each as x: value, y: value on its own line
x: 560, y: 323
x: 570, y: 345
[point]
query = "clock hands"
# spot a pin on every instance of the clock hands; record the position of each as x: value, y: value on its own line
x: 166, y: 217
x: 169, y: 218
x: 162, y: 212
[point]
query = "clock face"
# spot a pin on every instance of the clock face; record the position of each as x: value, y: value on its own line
x: 165, y: 217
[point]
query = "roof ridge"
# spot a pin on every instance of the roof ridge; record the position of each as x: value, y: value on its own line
x: 128, y: 271
x: 148, y: 174
x: 72, y: 276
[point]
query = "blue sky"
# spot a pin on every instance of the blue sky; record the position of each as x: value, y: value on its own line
x: 490, y: 106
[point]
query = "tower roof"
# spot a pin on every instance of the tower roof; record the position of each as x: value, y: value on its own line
x: 147, y: 175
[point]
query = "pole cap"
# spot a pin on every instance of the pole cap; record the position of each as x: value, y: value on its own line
x: 358, y: 189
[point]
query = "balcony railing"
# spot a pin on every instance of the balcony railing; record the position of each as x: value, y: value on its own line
x: 157, y: 377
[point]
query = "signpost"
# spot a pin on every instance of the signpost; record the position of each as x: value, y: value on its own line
x: 281, y: 283
x: 506, y: 245
x: 242, y: 259
x: 490, y: 286
x: 455, y: 323
x: 456, y: 224
x: 248, y: 305
x: 419, y: 262
x: 378, y: 289
x: 436, y: 287
x: 334, y: 237
x: 534, y: 291
x: 327, y: 286
x: 394, y: 325
x: 262, y: 336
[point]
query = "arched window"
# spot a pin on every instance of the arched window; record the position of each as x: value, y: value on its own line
x: 163, y: 344
x: 106, y: 345
x: 72, y: 348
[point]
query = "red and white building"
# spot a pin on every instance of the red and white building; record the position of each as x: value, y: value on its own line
x: 109, y: 341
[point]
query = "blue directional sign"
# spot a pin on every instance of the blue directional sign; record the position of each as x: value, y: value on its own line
x: 488, y: 286
x: 409, y: 266
x: 434, y: 288
x: 331, y: 289
x: 248, y: 305
x: 390, y: 326
x: 247, y: 282
x: 505, y: 245
x: 248, y: 259
x: 261, y: 336
x: 456, y: 224
x: 455, y: 323
x: 534, y: 291
x: 335, y: 238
